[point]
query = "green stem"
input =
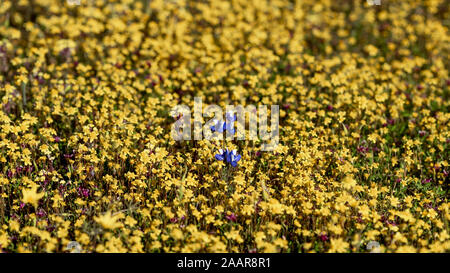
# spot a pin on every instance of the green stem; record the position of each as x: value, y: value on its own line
x: 24, y: 97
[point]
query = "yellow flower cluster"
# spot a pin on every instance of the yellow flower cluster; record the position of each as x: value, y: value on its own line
x: 86, y: 152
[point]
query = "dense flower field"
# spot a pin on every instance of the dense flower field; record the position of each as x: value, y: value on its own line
x: 86, y: 153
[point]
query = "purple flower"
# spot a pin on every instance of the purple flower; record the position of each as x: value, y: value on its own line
x: 391, y: 222
x: 362, y: 149
x: 426, y: 181
x: 83, y: 192
x: 221, y: 155
x: 230, y: 128
x: 221, y: 126
x: 422, y: 133
x: 229, y: 156
x: 323, y: 237
x: 29, y: 168
x: 19, y: 170
x: 231, y: 217
x: 233, y: 158
x: 57, y: 139
x: 218, y: 126
x: 41, y: 213
x: 230, y: 116
x: 65, y: 53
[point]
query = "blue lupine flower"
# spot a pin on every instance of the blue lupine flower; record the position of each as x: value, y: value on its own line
x: 229, y: 127
x: 213, y: 128
x: 218, y: 126
x: 234, y: 158
x: 230, y: 116
x: 221, y: 155
x: 231, y: 157
x: 221, y: 126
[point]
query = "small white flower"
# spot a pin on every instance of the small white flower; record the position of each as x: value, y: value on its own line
x: 373, y: 246
x: 74, y: 247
